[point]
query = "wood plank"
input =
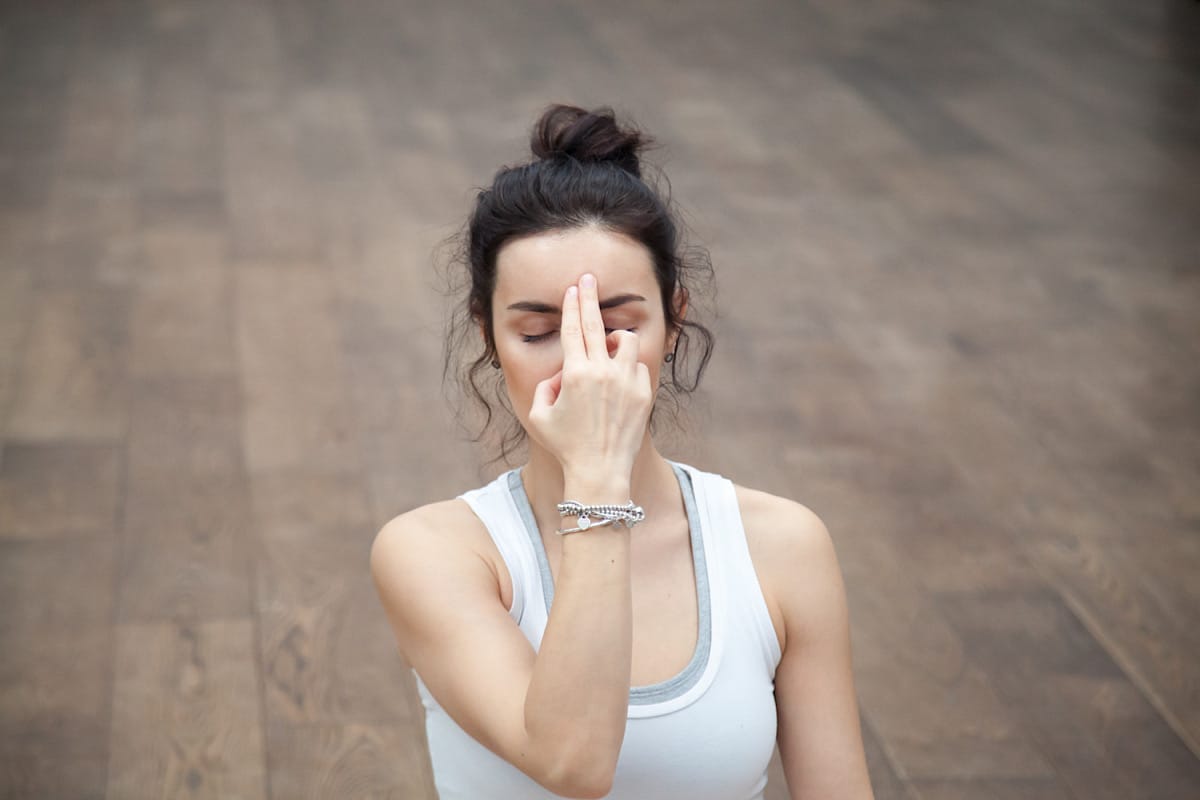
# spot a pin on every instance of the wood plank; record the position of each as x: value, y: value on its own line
x: 33, y: 117
x: 186, y: 548
x: 245, y: 52
x: 186, y: 713
x: 349, y: 761
x: 179, y: 159
x: 16, y: 287
x: 936, y: 709
x: 914, y: 112
x: 191, y: 422
x: 268, y: 198
x: 297, y: 414
x: 338, y: 156
x: 182, y: 315
x: 55, y: 665
x: 90, y: 234
x: 55, y: 490
x: 1154, y: 647
x: 885, y: 782
x: 100, y: 120
x: 1049, y: 669
x: 955, y: 252
x: 328, y: 653
x: 387, y: 393
x: 70, y: 382
x: 992, y: 789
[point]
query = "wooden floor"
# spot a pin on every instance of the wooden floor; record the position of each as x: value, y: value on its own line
x: 957, y: 249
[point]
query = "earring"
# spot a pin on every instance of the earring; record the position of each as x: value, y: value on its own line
x: 669, y: 357
x: 495, y: 364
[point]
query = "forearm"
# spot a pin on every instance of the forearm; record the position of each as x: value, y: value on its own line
x: 578, y: 696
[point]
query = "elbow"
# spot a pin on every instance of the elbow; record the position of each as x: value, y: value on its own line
x: 577, y: 756
x: 579, y: 785
x: 580, y: 775
x: 593, y: 792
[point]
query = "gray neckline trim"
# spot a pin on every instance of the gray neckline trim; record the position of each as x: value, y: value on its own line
x: 681, y: 682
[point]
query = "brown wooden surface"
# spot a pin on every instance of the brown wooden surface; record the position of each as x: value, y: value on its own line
x: 957, y: 248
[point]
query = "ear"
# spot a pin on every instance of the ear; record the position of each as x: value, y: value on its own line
x: 680, y: 302
x: 483, y: 340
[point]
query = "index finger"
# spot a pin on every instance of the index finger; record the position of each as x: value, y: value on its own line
x: 569, y: 331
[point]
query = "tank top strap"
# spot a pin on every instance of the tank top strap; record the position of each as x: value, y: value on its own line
x: 741, y: 589
x: 494, y: 506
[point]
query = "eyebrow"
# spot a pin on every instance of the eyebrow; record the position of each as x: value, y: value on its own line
x: 546, y: 308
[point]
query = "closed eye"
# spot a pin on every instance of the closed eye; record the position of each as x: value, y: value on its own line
x: 539, y: 337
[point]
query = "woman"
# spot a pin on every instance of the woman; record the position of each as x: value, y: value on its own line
x: 655, y: 635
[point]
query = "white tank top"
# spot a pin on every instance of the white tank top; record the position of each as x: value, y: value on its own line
x: 706, y: 733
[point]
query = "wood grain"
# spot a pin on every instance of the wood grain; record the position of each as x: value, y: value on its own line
x: 186, y: 716
x: 56, y: 655
x: 351, y: 761
x: 957, y: 315
x: 70, y: 383
x: 59, y: 489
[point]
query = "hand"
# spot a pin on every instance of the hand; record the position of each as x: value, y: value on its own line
x: 591, y: 415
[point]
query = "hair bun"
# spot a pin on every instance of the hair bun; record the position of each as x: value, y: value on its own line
x: 587, y: 136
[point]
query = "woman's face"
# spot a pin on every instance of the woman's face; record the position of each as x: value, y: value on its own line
x: 533, y: 273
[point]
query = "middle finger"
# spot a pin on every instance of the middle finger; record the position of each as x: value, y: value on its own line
x: 590, y: 318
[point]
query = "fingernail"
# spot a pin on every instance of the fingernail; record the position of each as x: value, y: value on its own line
x: 571, y: 291
x: 588, y: 281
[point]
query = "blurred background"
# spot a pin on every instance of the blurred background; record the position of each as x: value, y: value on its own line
x: 957, y: 258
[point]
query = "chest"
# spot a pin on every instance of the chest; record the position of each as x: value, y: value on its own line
x: 665, y: 597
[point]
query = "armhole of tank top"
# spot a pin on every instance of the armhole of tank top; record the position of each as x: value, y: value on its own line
x: 741, y: 565
x: 480, y: 502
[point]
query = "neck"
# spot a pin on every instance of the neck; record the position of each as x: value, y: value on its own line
x: 652, y: 484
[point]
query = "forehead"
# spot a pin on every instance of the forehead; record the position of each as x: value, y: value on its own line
x: 542, y: 266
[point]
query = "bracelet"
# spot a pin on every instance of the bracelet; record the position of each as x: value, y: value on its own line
x: 627, y: 515
x: 589, y: 526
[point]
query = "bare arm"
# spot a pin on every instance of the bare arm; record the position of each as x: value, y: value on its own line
x: 578, y: 696
x: 554, y: 714
x: 820, y: 740
x: 559, y: 715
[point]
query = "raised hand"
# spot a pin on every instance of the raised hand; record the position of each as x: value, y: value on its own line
x: 592, y: 414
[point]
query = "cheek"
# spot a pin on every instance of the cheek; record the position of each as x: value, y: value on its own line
x: 648, y: 353
x: 651, y: 354
x: 526, y: 365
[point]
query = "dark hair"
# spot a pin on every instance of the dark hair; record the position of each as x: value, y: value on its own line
x: 586, y: 170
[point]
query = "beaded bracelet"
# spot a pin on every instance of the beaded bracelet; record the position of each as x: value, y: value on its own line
x: 627, y: 515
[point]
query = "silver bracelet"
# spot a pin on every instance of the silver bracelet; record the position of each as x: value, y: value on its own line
x: 606, y: 514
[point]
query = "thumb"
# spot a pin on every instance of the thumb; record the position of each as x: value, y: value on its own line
x: 546, y: 392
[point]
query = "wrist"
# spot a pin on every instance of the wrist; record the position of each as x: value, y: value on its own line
x: 591, y: 489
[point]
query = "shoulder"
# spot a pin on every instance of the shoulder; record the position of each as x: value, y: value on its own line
x: 433, y: 525
x: 445, y: 536
x: 433, y: 552
x: 782, y: 527
x: 794, y: 556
